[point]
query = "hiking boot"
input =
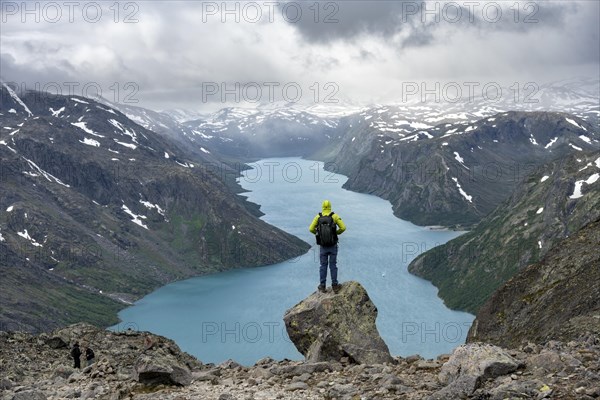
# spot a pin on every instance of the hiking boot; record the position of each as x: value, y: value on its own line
x: 321, y: 288
x: 336, y: 288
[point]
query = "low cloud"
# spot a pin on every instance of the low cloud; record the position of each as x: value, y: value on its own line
x: 366, y: 48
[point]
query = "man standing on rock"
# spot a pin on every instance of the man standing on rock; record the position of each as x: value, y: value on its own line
x: 327, y: 225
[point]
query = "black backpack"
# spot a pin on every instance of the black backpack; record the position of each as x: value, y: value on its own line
x: 326, y: 230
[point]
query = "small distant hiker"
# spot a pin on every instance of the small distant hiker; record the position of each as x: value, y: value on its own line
x: 327, y: 225
x: 76, y: 354
x: 89, y: 356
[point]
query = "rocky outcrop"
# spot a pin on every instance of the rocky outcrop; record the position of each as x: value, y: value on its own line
x: 556, y: 298
x: 32, y: 369
x: 469, y: 366
x: 330, y: 326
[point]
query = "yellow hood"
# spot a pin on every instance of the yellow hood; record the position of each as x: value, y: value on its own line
x: 326, y: 207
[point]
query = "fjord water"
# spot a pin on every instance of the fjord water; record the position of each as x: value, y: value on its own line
x: 238, y: 314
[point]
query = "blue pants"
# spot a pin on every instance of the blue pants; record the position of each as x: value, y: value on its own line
x: 328, y: 256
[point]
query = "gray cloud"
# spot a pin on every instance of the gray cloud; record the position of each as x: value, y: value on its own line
x: 346, y: 20
x: 372, y: 48
x: 325, y: 21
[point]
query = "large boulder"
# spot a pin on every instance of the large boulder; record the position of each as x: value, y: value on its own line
x: 68, y: 335
x: 161, y: 370
x: 329, y: 326
x: 56, y: 342
x: 470, y: 365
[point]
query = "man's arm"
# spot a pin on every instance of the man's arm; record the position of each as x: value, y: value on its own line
x: 313, y: 226
x: 340, y: 224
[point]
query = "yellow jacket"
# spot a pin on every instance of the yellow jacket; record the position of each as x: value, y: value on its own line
x: 341, y: 227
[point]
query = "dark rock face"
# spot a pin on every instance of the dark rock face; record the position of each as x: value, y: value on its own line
x: 329, y: 326
x: 541, y: 211
x: 56, y: 343
x: 556, y: 298
x: 487, y: 158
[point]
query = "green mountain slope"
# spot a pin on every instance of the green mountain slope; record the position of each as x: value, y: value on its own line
x: 556, y: 298
x: 544, y: 208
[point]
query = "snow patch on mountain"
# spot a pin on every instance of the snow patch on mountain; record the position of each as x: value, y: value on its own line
x: 462, y: 192
x: 458, y: 158
x: 79, y: 101
x: 575, y: 147
x: 136, y: 219
x: 124, y: 130
x: 45, y: 174
x: 16, y: 98
x: 585, y: 139
x: 56, y: 113
x: 129, y: 145
x: 90, y: 142
x: 419, y: 125
x: 579, y: 184
x: 25, y: 235
x: 551, y: 142
x: 151, y: 206
x: 569, y: 120
x: 83, y: 127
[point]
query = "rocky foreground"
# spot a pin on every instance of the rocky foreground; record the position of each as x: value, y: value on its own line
x: 138, y: 365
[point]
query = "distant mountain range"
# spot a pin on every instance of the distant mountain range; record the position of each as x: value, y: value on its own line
x: 240, y: 133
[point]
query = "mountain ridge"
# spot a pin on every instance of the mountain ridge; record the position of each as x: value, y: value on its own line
x: 553, y: 299
x: 104, y: 211
x: 456, y: 173
x: 550, y: 204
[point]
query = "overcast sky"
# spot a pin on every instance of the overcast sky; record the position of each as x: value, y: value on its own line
x: 184, y: 53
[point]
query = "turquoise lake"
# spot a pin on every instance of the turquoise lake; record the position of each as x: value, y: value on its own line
x: 238, y: 314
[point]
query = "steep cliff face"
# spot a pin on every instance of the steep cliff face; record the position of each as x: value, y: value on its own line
x: 99, y: 211
x: 554, y: 202
x: 457, y: 173
x: 556, y: 298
